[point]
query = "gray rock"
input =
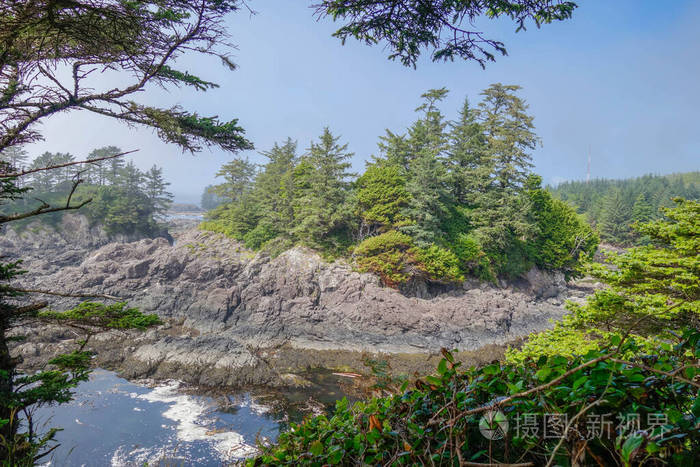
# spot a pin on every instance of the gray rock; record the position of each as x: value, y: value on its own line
x: 238, y: 303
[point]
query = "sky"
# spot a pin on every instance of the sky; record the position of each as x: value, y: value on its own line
x: 618, y: 80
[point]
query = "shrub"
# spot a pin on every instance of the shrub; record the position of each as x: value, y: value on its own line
x: 262, y: 233
x: 562, y: 238
x: 596, y: 398
x: 386, y: 255
x: 438, y: 263
x: 471, y: 257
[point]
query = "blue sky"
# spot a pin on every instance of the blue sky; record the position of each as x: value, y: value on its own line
x: 621, y: 77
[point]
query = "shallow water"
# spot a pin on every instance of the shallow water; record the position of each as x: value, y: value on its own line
x: 115, y: 422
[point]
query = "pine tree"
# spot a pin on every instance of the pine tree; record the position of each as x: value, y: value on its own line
x: 469, y: 167
x: 131, y: 179
x: 114, y: 169
x: 380, y: 196
x: 615, y: 218
x: 510, y: 134
x: 499, y: 210
x: 15, y: 156
x: 44, y: 181
x: 102, y: 172
x: 209, y: 199
x: 155, y: 187
x: 642, y: 211
x: 322, y: 187
x: 427, y: 179
x: 274, y: 186
x: 238, y: 178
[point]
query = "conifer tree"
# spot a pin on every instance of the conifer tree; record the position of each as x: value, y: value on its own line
x: 322, y: 187
x: 380, y: 197
x: 499, y: 213
x: 44, y: 181
x: 470, y: 168
x: 102, y: 172
x: 155, y: 187
x: 15, y: 156
x: 238, y: 178
x: 615, y: 218
x: 274, y: 186
x: 510, y: 135
x: 131, y: 179
x: 427, y: 178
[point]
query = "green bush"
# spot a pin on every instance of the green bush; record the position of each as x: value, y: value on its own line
x: 471, y: 257
x: 259, y: 235
x: 562, y: 238
x: 441, y: 421
x: 438, y: 263
x: 386, y: 255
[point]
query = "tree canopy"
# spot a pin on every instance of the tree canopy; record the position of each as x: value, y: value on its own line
x: 445, y: 28
x: 442, y: 200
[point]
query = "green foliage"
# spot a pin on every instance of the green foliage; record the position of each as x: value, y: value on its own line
x: 653, y: 290
x: 410, y: 26
x: 114, y: 316
x: 561, y: 236
x: 438, y: 422
x: 460, y: 193
x: 395, y: 258
x: 259, y: 235
x: 472, y: 258
x: 387, y: 255
x: 322, y: 191
x: 124, y: 200
x: 438, y: 263
x: 238, y: 177
x: 614, y: 205
x: 380, y: 196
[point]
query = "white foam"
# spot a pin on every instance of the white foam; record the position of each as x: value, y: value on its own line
x: 192, y: 424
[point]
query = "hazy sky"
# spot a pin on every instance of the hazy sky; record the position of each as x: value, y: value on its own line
x: 621, y: 77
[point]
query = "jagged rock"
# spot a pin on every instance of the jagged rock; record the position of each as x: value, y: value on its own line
x: 240, y: 303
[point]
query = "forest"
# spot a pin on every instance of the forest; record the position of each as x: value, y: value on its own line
x: 613, y: 206
x: 443, y: 200
x: 123, y: 199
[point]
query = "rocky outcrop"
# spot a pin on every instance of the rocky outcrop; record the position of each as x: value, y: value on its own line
x: 238, y: 305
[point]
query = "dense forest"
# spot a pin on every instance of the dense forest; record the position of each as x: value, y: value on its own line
x: 443, y: 200
x: 612, y: 206
x: 125, y: 200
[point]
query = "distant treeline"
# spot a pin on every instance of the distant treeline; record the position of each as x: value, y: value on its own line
x: 612, y: 206
x: 125, y: 200
x: 444, y: 200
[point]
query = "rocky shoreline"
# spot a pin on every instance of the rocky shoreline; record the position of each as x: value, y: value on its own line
x: 235, y: 317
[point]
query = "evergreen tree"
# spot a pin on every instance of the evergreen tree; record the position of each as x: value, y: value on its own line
x: 510, y: 135
x: 238, y: 178
x: 209, y: 199
x: 322, y: 187
x: 470, y: 168
x: 499, y: 210
x: 99, y: 173
x: 63, y: 174
x: 642, y: 211
x: 274, y: 186
x: 114, y: 167
x: 380, y: 197
x: 45, y: 180
x: 155, y: 187
x: 615, y: 218
x: 15, y: 156
x: 427, y: 179
x: 131, y: 179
